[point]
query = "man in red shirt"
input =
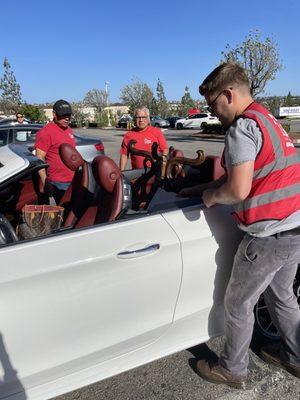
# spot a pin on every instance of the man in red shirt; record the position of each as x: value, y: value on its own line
x: 145, y: 135
x: 58, y: 177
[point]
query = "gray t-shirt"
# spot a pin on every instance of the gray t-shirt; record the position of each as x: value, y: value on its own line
x: 243, y: 142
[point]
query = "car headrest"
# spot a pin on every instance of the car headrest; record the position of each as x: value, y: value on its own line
x: 106, y: 172
x: 70, y: 156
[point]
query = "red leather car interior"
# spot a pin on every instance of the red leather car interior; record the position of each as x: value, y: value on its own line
x: 108, y: 203
x: 80, y: 193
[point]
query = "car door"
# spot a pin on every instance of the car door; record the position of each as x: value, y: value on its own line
x: 4, y: 135
x: 209, y: 240
x: 80, y: 298
x: 195, y: 121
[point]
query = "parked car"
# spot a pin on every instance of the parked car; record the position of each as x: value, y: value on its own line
x: 196, y: 121
x: 172, y: 121
x: 96, y: 299
x: 124, y: 122
x: 12, y: 121
x: 159, y: 122
x: 88, y: 147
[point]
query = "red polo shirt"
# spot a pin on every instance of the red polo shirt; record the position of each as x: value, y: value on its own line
x: 48, y: 139
x: 144, y: 140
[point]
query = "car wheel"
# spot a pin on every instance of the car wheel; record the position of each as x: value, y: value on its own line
x: 264, y: 326
x: 179, y: 125
x: 203, y: 125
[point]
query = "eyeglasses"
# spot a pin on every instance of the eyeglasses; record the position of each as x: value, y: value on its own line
x: 142, y: 117
x: 210, y: 107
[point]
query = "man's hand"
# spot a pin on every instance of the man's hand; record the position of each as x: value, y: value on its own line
x: 208, y: 197
x: 49, y: 188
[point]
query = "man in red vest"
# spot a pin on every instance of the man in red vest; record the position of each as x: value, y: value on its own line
x: 262, y: 182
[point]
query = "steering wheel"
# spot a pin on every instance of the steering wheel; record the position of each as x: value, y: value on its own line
x: 7, y: 232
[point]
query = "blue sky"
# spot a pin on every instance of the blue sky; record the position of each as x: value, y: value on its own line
x: 62, y: 49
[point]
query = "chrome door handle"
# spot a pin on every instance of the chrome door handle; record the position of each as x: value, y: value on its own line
x: 139, y: 252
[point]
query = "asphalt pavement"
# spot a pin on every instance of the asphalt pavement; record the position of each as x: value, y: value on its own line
x: 174, y: 377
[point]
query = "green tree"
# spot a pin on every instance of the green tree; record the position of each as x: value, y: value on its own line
x: 259, y: 57
x: 102, y: 119
x: 97, y: 99
x: 137, y: 94
x: 186, y: 103
x: 273, y: 104
x: 34, y: 113
x: 288, y: 102
x: 154, y: 110
x: 162, y: 104
x: 11, y: 98
x: 79, y: 116
x: 112, y: 118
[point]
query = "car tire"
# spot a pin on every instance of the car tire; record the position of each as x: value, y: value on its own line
x: 179, y: 125
x: 203, y: 125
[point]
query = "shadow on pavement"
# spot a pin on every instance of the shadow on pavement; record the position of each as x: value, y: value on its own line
x: 201, y: 352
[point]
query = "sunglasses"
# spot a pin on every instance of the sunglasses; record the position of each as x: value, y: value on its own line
x: 210, y: 107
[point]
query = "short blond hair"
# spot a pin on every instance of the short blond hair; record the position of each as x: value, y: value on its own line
x: 226, y: 74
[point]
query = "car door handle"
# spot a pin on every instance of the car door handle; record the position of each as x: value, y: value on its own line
x: 139, y: 252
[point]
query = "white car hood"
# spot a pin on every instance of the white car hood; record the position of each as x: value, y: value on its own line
x: 10, y: 163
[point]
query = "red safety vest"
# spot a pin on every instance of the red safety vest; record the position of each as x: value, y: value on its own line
x: 275, y: 191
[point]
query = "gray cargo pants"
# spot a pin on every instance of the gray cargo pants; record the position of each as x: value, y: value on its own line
x: 261, y: 265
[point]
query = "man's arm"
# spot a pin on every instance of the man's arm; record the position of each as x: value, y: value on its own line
x: 235, y: 189
x: 123, y: 161
x: 42, y: 172
x: 196, y: 191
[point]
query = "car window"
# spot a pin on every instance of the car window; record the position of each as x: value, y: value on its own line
x: 25, y: 135
x: 203, y: 115
x: 3, y: 136
x: 195, y: 116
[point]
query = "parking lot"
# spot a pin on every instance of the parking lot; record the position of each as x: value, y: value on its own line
x: 174, y: 377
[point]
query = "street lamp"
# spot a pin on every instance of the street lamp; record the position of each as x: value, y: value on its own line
x: 106, y: 91
x: 107, y: 95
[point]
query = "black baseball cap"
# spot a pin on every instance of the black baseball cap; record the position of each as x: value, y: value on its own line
x: 62, y: 107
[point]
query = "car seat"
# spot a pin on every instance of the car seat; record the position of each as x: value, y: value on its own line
x: 81, y: 192
x: 113, y: 196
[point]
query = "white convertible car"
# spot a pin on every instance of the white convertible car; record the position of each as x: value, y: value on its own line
x: 134, y: 274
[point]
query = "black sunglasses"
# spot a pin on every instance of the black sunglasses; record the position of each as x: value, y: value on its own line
x: 210, y: 107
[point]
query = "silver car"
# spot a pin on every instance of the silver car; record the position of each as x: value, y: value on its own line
x: 159, y: 122
x: 25, y: 134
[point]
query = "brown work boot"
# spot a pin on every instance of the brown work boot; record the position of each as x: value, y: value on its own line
x: 272, y: 356
x: 217, y: 374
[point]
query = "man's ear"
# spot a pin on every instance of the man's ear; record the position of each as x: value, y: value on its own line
x: 228, y: 93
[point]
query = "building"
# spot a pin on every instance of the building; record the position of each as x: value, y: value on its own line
x: 116, y: 110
